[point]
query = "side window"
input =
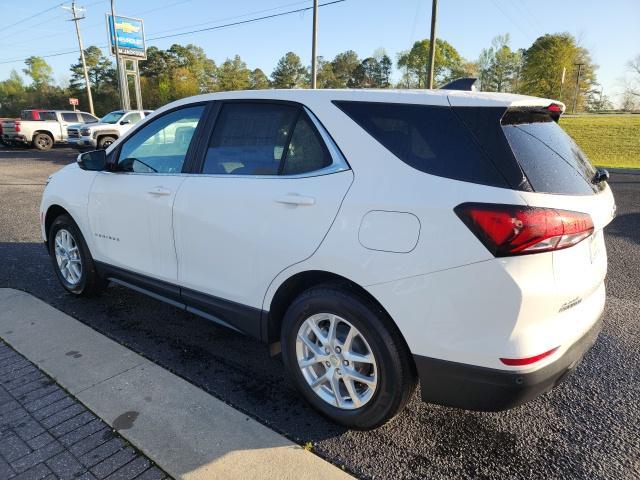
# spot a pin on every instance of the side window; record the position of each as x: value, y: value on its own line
x: 430, y: 139
x: 306, y: 152
x: 70, y: 117
x: 86, y: 118
x: 264, y: 139
x: 48, y: 116
x: 161, y: 146
x: 249, y: 139
x: 132, y: 118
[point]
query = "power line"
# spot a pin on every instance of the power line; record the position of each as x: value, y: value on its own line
x: 252, y: 20
x: 242, y: 22
x: 31, y: 16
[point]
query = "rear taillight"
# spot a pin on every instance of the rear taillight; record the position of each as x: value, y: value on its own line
x: 16, y: 126
x: 508, y: 230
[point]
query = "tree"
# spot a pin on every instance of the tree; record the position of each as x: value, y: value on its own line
x: 543, y: 64
x: 325, y: 77
x: 258, y: 80
x: 99, y: 68
x: 194, y: 59
x: 373, y: 72
x: 499, y: 66
x: 40, y: 72
x: 597, y: 102
x: 12, y: 95
x: 448, y: 64
x: 344, y: 67
x: 233, y: 74
x: 289, y: 72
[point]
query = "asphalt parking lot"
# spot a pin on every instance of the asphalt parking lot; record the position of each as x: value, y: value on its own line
x: 589, y: 427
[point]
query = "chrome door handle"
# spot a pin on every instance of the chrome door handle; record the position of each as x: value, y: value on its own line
x: 295, y: 199
x: 160, y: 191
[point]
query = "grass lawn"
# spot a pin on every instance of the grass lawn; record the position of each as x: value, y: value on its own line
x: 608, y: 140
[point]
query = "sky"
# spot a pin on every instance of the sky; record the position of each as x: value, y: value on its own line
x: 610, y: 30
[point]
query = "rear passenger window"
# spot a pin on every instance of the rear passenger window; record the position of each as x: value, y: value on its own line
x: 70, y: 117
x: 264, y: 139
x: 428, y: 138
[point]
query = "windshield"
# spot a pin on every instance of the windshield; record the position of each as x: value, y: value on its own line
x: 112, y: 117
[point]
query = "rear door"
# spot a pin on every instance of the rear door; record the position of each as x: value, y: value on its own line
x: 268, y: 188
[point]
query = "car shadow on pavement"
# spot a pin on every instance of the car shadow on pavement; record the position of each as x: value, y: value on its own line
x: 56, y: 156
x: 541, y: 438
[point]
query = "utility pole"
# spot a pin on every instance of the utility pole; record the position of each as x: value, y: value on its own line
x: 432, y: 42
x: 564, y: 72
x: 314, y: 41
x: 76, y: 19
x: 119, y: 68
x: 575, y: 96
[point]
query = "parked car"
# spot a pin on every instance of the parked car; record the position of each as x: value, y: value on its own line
x: 373, y: 237
x: 106, y: 131
x: 42, y: 128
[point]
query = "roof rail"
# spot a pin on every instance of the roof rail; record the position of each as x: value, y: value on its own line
x: 464, y: 83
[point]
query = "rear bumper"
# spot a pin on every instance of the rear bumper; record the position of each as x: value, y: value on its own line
x: 14, y: 138
x: 487, y: 389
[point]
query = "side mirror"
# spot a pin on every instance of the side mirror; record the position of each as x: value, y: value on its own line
x: 125, y: 122
x: 95, y: 160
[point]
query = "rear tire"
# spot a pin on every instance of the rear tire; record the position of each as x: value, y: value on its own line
x: 42, y: 141
x: 370, y: 392
x: 72, y: 260
x: 105, y: 142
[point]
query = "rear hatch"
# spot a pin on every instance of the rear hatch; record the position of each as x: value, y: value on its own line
x: 541, y: 161
x: 562, y: 177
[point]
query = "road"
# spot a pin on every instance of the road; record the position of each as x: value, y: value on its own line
x: 588, y: 427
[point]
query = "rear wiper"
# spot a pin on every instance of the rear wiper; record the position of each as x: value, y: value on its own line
x: 601, y: 175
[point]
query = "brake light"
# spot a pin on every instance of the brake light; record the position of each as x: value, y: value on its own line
x: 519, y: 362
x: 508, y: 230
x: 554, y: 107
x: 16, y: 126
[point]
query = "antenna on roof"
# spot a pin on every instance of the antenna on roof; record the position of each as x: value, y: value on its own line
x: 466, y: 83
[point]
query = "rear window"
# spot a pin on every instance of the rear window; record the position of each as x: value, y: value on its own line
x: 551, y: 160
x: 428, y: 138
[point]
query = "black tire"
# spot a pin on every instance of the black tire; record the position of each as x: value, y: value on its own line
x: 42, y: 141
x: 90, y: 283
x: 395, y: 368
x: 104, y: 142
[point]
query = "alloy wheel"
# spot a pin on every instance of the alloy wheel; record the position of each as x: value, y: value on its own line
x: 336, y: 361
x: 68, y: 257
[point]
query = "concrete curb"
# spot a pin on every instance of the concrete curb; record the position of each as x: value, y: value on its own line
x: 185, y: 431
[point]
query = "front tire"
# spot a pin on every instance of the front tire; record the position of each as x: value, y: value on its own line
x: 105, y: 142
x: 346, y: 357
x: 72, y: 260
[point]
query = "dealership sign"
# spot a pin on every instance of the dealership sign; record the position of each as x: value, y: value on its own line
x: 130, y: 37
x: 74, y: 101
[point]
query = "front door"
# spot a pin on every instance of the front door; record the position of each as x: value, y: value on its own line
x: 268, y: 192
x: 130, y: 209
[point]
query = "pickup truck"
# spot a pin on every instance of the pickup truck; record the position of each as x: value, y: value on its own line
x: 42, y: 128
x: 106, y: 131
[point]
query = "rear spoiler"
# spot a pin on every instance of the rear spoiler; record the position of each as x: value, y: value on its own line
x: 465, y: 83
x: 532, y: 114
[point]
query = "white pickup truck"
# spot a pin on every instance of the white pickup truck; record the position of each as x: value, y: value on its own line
x: 44, y: 129
x: 106, y: 131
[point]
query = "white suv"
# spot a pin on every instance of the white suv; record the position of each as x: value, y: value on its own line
x: 376, y: 238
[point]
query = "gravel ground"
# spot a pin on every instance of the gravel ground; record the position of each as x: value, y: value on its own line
x: 588, y: 427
